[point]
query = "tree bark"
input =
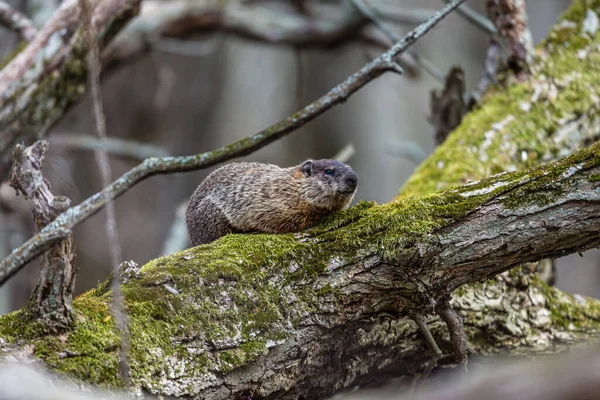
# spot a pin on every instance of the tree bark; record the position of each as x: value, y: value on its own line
x: 284, y: 316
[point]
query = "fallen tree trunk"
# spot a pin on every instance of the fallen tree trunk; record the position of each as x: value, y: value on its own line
x: 267, y: 314
x: 306, y: 315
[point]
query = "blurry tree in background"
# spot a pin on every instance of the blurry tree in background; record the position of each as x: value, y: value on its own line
x: 186, y: 77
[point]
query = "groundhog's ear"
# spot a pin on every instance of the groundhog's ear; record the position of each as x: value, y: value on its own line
x: 307, y: 167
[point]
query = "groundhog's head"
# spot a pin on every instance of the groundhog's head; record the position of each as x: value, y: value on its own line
x: 329, y: 184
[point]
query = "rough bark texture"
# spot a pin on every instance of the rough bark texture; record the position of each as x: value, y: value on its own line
x: 282, y: 316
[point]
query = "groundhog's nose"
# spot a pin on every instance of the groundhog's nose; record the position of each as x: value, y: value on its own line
x: 352, y: 181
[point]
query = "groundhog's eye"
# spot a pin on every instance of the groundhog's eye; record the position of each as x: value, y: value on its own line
x: 328, y: 172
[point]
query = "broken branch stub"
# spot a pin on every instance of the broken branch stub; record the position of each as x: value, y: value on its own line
x: 510, y: 18
x: 51, y: 302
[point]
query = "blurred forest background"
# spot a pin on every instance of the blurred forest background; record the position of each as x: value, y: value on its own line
x: 226, y: 88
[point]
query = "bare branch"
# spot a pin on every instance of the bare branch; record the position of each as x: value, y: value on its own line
x: 422, y: 324
x: 477, y: 19
x: 458, y: 338
x: 165, y: 165
x: 177, y: 18
x: 370, y: 14
x: 16, y: 21
x: 115, y: 146
x: 490, y: 70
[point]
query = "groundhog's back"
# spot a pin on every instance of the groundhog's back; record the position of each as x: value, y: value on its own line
x: 246, y: 197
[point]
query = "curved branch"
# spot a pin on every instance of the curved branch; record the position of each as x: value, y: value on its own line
x: 180, y: 17
x: 127, y: 149
x: 165, y: 165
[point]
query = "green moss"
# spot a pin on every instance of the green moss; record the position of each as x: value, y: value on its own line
x: 567, y: 312
x: 594, y: 178
x: 518, y: 126
x: 247, y: 352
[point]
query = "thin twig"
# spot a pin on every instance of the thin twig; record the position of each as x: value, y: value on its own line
x: 431, y: 343
x: 345, y: 153
x: 168, y: 165
x: 372, y: 16
x: 115, y: 146
x: 114, y: 247
x: 458, y: 338
x: 476, y: 18
x: 490, y: 70
x: 412, y: 16
x: 16, y: 21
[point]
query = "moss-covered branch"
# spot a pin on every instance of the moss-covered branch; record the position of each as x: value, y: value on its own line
x: 550, y: 115
x: 266, y: 314
x: 46, y: 77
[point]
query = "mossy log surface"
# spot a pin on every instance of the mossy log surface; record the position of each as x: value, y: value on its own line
x: 283, y: 316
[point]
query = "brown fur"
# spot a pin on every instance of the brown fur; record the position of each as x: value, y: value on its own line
x: 255, y: 197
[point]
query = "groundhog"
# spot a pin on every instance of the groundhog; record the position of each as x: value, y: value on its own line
x: 255, y: 197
